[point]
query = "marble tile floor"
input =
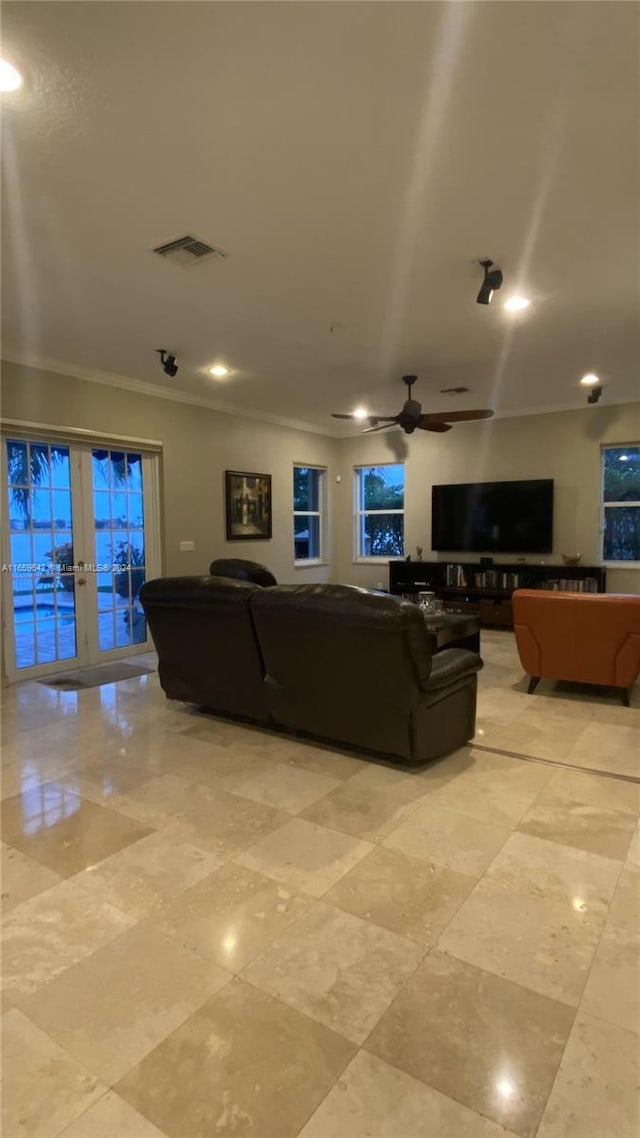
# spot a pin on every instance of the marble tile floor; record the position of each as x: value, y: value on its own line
x: 210, y: 929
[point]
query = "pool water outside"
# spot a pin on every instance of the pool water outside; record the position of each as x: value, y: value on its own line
x: 36, y: 627
x: 66, y: 613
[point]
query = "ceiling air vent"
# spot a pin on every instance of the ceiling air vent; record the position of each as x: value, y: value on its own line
x: 187, y: 251
x: 453, y: 390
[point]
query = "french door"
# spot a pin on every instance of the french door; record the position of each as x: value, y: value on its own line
x: 80, y: 536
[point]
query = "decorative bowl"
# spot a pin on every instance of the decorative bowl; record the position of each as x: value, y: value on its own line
x: 572, y: 558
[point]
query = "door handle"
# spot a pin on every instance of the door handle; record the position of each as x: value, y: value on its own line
x: 81, y: 580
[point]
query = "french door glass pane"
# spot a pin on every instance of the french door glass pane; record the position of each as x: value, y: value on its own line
x: 136, y: 512
x: 60, y: 472
x: 41, y: 529
x: 119, y: 509
x: 118, y: 519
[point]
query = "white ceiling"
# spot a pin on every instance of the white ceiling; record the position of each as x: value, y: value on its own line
x: 354, y: 160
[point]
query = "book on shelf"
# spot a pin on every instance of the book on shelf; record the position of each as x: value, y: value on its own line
x: 455, y: 577
x: 458, y: 577
x: 494, y: 579
x: 570, y: 585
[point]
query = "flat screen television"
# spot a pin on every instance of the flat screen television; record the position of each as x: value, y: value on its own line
x: 493, y: 517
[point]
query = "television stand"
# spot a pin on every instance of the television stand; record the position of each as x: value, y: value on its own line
x: 484, y: 591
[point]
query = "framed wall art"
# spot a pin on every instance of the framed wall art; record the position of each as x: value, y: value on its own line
x: 248, y: 505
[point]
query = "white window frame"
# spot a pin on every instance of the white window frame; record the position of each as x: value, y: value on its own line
x: 361, y: 558
x: 320, y: 513
x: 613, y: 505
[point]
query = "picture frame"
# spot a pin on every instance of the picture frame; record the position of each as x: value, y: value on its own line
x: 248, y: 505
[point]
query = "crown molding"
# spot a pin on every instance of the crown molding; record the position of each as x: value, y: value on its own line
x: 143, y: 387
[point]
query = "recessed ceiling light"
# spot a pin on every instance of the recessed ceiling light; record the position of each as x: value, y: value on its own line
x: 10, y: 78
x: 360, y: 413
x: 516, y: 303
x: 589, y: 380
x: 219, y: 370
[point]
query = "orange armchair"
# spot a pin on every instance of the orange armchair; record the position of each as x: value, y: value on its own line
x: 590, y: 638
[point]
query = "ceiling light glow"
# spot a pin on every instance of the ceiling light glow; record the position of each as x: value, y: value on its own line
x: 10, y: 78
x: 516, y: 303
x: 360, y: 413
x: 505, y: 1088
x: 589, y: 380
x: 219, y: 370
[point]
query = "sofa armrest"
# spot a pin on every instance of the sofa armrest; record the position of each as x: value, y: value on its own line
x: 450, y: 665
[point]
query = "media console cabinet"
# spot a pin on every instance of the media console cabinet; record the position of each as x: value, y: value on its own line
x: 485, y: 590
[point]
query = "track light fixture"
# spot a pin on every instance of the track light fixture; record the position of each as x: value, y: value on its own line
x: 594, y: 394
x: 491, y: 283
x: 169, y: 365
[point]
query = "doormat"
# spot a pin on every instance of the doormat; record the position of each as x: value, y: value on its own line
x: 94, y: 677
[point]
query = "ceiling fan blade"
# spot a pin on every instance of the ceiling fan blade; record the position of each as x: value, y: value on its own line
x: 370, y: 418
x: 455, y: 416
x: 384, y: 427
x: 428, y: 426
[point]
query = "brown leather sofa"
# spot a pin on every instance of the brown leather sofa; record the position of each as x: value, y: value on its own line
x: 590, y: 638
x: 328, y: 660
x: 207, y: 648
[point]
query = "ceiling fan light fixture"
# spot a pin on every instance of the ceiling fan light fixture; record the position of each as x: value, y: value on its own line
x: 410, y: 417
x: 491, y: 283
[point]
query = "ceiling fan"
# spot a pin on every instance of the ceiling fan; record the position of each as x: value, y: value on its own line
x: 411, y: 417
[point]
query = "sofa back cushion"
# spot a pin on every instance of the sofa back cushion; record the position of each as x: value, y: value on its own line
x: 591, y: 638
x: 240, y: 570
x: 341, y: 663
x: 207, y: 647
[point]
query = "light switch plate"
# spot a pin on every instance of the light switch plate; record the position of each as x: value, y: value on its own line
x: 187, y: 546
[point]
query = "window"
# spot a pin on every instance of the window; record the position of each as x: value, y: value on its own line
x: 308, y: 513
x: 621, y: 503
x: 380, y: 510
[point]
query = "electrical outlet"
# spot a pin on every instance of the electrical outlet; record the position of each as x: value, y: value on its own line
x: 187, y: 546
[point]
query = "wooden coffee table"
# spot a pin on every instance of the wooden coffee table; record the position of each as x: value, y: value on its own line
x: 454, y: 630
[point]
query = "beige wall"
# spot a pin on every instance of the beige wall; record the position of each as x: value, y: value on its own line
x: 564, y: 446
x: 198, y: 445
